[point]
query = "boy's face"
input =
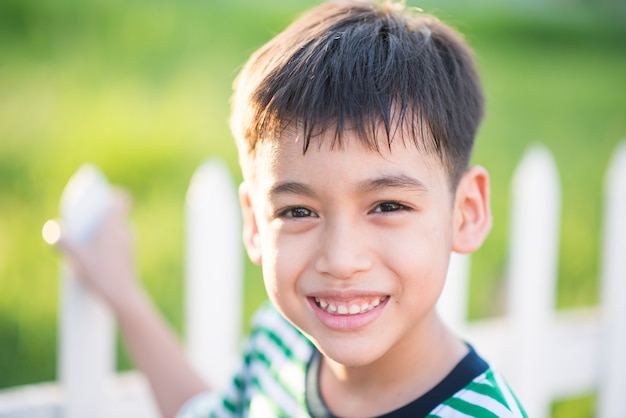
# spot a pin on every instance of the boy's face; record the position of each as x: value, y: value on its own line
x: 355, y: 243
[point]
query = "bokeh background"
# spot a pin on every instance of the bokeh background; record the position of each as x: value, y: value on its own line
x: 141, y: 87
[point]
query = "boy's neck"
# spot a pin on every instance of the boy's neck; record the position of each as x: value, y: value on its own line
x: 405, y: 373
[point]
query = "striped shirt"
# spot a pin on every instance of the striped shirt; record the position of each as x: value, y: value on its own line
x: 278, y: 378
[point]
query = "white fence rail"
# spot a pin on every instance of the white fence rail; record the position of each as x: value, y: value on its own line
x: 545, y: 354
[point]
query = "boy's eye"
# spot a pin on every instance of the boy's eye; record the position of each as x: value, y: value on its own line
x: 388, y: 207
x: 298, y: 212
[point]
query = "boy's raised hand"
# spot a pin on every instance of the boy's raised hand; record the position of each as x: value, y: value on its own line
x: 106, y: 261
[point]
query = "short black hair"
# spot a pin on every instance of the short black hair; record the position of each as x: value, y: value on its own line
x: 361, y: 66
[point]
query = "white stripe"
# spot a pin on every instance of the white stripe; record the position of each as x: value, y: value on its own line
x: 273, y: 352
x: 483, y: 380
x: 264, y: 318
x: 444, y: 411
x: 273, y: 390
x: 286, y: 333
x: 281, y: 379
x: 299, y: 344
x: 288, y: 372
x: 485, y: 402
x: 281, y: 386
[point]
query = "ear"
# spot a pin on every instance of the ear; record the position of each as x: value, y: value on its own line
x: 251, y: 238
x: 472, y: 213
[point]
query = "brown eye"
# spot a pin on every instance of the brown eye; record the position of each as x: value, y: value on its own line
x: 389, y: 207
x: 300, y: 212
x: 296, y: 212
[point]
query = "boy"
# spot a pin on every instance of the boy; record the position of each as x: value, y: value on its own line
x: 355, y: 128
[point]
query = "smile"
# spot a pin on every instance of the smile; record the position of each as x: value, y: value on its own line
x: 353, y: 307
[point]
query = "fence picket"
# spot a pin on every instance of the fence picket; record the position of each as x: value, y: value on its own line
x: 612, y: 381
x: 86, y: 352
x: 544, y: 353
x: 452, y: 305
x: 532, y: 272
x: 213, y: 301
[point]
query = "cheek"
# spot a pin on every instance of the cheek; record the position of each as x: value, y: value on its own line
x: 420, y: 257
x: 269, y: 265
x: 282, y: 265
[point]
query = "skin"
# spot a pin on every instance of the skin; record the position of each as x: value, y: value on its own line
x: 351, y: 226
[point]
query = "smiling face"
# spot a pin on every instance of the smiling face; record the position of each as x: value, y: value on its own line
x: 354, y: 243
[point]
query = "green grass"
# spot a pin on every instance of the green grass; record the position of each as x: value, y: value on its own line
x: 565, y: 92
x: 580, y: 407
x: 141, y: 89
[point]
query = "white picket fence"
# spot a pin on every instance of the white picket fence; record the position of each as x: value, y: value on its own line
x: 545, y: 354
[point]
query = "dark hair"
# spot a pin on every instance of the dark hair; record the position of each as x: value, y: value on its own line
x: 362, y: 66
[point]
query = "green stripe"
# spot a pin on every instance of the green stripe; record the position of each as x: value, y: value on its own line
x: 491, y: 377
x: 229, y: 406
x: 519, y: 405
x: 488, y: 390
x: 266, y: 360
x: 514, y: 396
x: 233, y: 404
x: 238, y: 383
x: 276, y: 339
x: 469, y: 408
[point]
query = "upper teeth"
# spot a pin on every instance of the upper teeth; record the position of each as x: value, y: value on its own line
x: 348, y: 309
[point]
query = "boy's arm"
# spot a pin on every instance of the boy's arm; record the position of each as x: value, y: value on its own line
x: 106, y: 265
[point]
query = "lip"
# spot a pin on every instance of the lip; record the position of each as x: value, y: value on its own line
x: 346, y: 322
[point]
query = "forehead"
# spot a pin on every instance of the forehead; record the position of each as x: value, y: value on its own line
x: 325, y: 160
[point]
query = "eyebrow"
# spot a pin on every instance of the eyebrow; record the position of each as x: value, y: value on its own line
x: 291, y: 187
x: 395, y: 181
x: 400, y: 181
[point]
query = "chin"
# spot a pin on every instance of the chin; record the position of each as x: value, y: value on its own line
x: 350, y: 354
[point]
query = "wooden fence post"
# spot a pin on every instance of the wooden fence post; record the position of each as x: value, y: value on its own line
x: 213, y: 272
x: 86, y: 352
x: 533, y: 262
x: 612, y: 379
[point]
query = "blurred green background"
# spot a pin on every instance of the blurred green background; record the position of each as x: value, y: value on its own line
x: 140, y: 88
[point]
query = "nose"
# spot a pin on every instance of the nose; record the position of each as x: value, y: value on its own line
x: 344, y: 251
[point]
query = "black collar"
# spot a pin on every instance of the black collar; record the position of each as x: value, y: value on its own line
x: 471, y: 366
